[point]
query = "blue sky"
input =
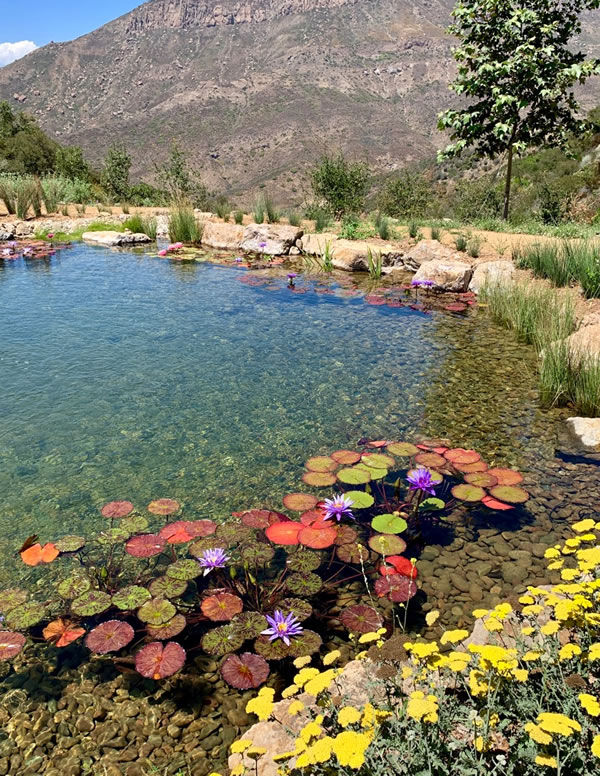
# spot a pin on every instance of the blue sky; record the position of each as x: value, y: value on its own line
x: 40, y: 21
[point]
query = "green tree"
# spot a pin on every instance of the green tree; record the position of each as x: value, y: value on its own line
x: 24, y: 147
x: 341, y: 183
x: 115, y: 175
x: 516, y: 68
x: 407, y: 195
x: 71, y: 163
x: 180, y: 181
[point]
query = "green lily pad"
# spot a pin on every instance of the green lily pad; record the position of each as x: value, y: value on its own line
x: 134, y: 524
x: 272, y: 650
x: 25, y: 616
x: 222, y: 641
x: 114, y: 535
x: 378, y: 460
x: 11, y: 598
x: 388, y: 524
x: 403, y: 449
x: 304, y: 583
x: 258, y: 554
x: 91, y: 603
x: 131, y: 597
x: 432, y: 503
x: 360, y: 499
x: 354, y: 475
x: 74, y: 586
x: 468, y: 492
x: 321, y: 463
x: 307, y: 643
x: 319, y: 479
x: 387, y: 544
x: 510, y: 494
x: 156, y: 611
x: 167, y: 587
x: 352, y: 553
x: 249, y: 624
x: 69, y: 543
x: 376, y: 474
x: 233, y: 533
x: 300, y: 608
x: 304, y: 560
x: 184, y: 569
x: 209, y: 543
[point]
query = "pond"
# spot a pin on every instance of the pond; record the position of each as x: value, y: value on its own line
x: 129, y: 377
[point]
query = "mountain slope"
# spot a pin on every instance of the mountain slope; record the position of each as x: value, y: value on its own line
x: 253, y: 90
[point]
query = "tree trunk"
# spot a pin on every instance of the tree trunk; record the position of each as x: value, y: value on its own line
x: 508, y: 182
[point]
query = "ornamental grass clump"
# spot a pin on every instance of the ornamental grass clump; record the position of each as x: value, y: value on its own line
x: 522, y: 703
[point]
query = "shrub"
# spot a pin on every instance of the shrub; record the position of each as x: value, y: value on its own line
x: 436, y: 233
x: 322, y: 219
x: 183, y: 225
x: 259, y: 211
x: 461, y: 242
x: 383, y: 228
x: 270, y: 210
x: 294, y: 218
x: 474, y: 246
x: 115, y: 175
x: 478, y: 199
x: 222, y: 208
x: 340, y: 183
x: 71, y: 164
x: 238, y: 217
x: 406, y: 196
x: 564, y: 263
x: 413, y: 229
x: 181, y: 181
x: 126, y: 209
x: 25, y: 193
x: 8, y: 194
x: 54, y: 191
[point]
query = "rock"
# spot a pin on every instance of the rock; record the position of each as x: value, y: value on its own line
x: 84, y: 724
x: 446, y: 275
x: 584, y: 344
x: 114, y: 239
x: 4, y: 235
x: 491, y: 272
x: 352, y: 255
x: 279, y: 238
x: 294, y: 251
x: 315, y: 244
x: 586, y: 431
x: 429, y: 250
x: 222, y: 236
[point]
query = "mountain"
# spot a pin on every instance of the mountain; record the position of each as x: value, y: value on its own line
x: 253, y: 90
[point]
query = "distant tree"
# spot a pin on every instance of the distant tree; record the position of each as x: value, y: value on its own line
x: 407, y: 195
x: 180, y: 180
x: 516, y: 68
x: 71, y: 163
x: 115, y: 174
x: 342, y: 184
x: 24, y: 147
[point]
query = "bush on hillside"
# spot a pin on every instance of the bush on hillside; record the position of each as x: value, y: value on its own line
x: 407, y: 195
x: 340, y: 183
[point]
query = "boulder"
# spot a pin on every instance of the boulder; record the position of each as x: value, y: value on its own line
x: 226, y: 237
x: 5, y: 235
x: 162, y: 225
x: 352, y: 255
x: 114, y: 239
x: 584, y: 344
x: 446, y: 275
x: 278, y: 238
x: 315, y: 244
x: 430, y: 250
x: 586, y: 432
x: 491, y: 272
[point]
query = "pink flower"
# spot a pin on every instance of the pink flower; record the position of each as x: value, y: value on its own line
x: 162, y: 253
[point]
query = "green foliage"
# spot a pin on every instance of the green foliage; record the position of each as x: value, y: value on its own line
x: 477, y: 199
x: 115, y: 175
x: 408, y: 195
x: 70, y: 163
x: 383, y: 228
x: 24, y: 147
x: 181, y: 181
x: 238, y: 217
x: 413, y: 230
x: 461, y: 242
x: 355, y: 229
x: 436, y: 233
x: 294, y: 218
x: 54, y: 191
x: 374, y: 263
x: 145, y: 195
x: 340, y: 183
x: 183, y: 225
x: 564, y: 263
x: 222, y: 207
x: 474, y: 246
x: 141, y: 225
x: 259, y: 211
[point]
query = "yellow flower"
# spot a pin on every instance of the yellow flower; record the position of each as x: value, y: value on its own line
x: 300, y: 662
x: 350, y: 747
x: 568, y: 651
x: 550, y: 628
x: 321, y: 682
x: 526, y: 599
x: 480, y: 613
x: 590, y: 704
x: 492, y: 656
x: 551, y: 553
x: 537, y: 734
x: 304, y: 675
x: 255, y: 752
x: 594, y: 651
x: 214, y: 773
x: 493, y: 625
x: 240, y: 746
x: 348, y: 715
x: 367, y: 638
x: 295, y: 708
x: 573, y: 542
x: 422, y: 650
x: 596, y: 746
x: 311, y: 730
x: 407, y: 672
x: 476, y: 686
x: 584, y: 525
x: 361, y: 655
x: 454, y: 636
x: 284, y: 756
x: 237, y: 770
x: 481, y: 744
x: 331, y: 657
x: 372, y: 716
x: 569, y: 574
x: 558, y: 723
x: 319, y: 752
x: 533, y: 609
x: 556, y: 564
x: 432, y: 617
x: 527, y: 630
x: 457, y: 661
x: 289, y: 691
x: 546, y: 759
x: 533, y: 654
x: 421, y: 707
x: 520, y: 674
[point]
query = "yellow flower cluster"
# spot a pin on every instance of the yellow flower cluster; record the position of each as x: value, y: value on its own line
x: 422, y: 707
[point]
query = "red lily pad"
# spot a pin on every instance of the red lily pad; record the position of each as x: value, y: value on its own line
x: 245, y: 671
x: 315, y: 518
x: 321, y: 463
x: 284, y: 533
x: 396, y: 587
x: 221, y: 607
x: 163, y: 506
x: 361, y: 619
x: 430, y: 459
x: 482, y: 479
x: 471, y: 468
x: 317, y: 538
x: 169, y: 629
x: 261, y: 518
x: 117, y: 509
x: 176, y: 533
x: 346, y: 457
x: 10, y: 644
x: 376, y: 444
x: 509, y: 494
x: 62, y: 632
x: 201, y: 528
x: 403, y: 449
x: 493, y: 503
x: 155, y: 661
x: 319, y: 479
x: 109, y: 636
x: 300, y: 502
x: 387, y: 544
x: 460, y: 455
x: 402, y: 566
x: 352, y: 553
x: 507, y: 476
x: 468, y: 492
x: 36, y: 554
x: 145, y: 545
x: 346, y: 535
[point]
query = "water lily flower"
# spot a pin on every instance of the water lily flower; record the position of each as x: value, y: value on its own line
x: 416, y: 283
x: 338, y: 507
x: 427, y: 283
x: 262, y: 246
x: 420, y: 479
x: 50, y: 235
x: 291, y: 277
x: 282, y: 627
x: 238, y: 260
x: 163, y: 252
x: 213, y: 559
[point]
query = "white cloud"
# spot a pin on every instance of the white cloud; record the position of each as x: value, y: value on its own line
x: 11, y: 51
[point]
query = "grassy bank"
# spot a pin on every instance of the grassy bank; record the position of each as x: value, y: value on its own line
x: 564, y: 263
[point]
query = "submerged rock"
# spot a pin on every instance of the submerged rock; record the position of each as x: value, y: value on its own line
x: 446, y: 275
x: 586, y: 432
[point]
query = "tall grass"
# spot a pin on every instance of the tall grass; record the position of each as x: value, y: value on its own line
x: 55, y: 190
x: 374, y: 263
x: 259, y: 211
x: 238, y: 217
x: 140, y: 225
x: 183, y: 225
x: 564, y: 263
x: 294, y: 218
x: 20, y: 193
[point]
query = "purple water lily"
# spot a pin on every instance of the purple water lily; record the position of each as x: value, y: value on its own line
x: 262, y: 245
x: 282, y: 627
x: 416, y: 283
x: 238, y: 260
x: 427, y: 283
x: 213, y: 559
x: 420, y: 479
x: 338, y: 507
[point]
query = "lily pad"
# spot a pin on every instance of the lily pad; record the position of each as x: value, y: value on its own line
x: 145, y: 545
x: 284, y: 533
x: 249, y: 625
x: 304, y: 583
x: 509, y: 494
x: 402, y: 565
x: 222, y: 641
x: 163, y: 506
x: 10, y: 644
x: 90, y: 603
x: 462, y: 456
x: 506, y: 476
x: 167, y: 587
x: 319, y: 479
x: 74, y: 586
x: 202, y: 528
x: 354, y: 476
x: 376, y: 474
x: 481, y: 479
x: 300, y: 502
x: 433, y: 503
x: 109, y: 636
x: 261, y: 518
x: 177, y: 532
x: 304, y: 560
x: 378, y: 460
x: 221, y: 607
x: 361, y: 619
x: 321, y: 463
x: 317, y: 538
x: 117, y: 509
x: 185, y: 569
x: 396, y: 587
x: 70, y: 543
x: 471, y: 468
x: 245, y: 671
x: 272, y: 650
x: 210, y: 543
x: 257, y: 553
x: 346, y: 535
x: 158, y: 661
x: 468, y: 492
x: 352, y: 553
x: 315, y: 518
x: 493, y: 503
x: 300, y: 608
x: 346, y: 457
x: 131, y: 597
x: 387, y: 544
x: 432, y: 460
x: 11, y: 598
x: 307, y: 643
x: 403, y: 449
x: 389, y: 524
x: 62, y: 632
x: 114, y: 535
x: 360, y: 499
x: 156, y: 611
x: 169, y: 629
x: 25, y: 616
x: 134, y: 524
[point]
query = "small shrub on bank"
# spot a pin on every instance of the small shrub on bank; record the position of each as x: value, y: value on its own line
x: 474, y: 247
x: 259, y: 211
x: 461, y: 242
x: 408, y: 195
x: 238, y: 217
x: 223, y: 208
x: 436, y: 233
x: 413, y: 229
x: 340, y: 183
x: 140, y: 225
x: 183, y: 225
x: 294, y: 218
x: 564, y: 264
